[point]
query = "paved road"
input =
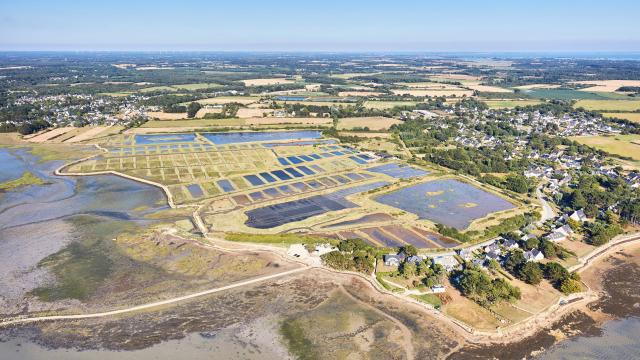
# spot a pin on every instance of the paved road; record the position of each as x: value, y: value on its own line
x: 547, y: 210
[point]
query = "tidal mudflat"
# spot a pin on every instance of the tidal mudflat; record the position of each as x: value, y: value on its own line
x: 40, y: 220
x: 449, y: 202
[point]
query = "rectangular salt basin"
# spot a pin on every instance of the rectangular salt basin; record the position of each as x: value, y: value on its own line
x: 225, y: 185
x: 281, y: 175
x: 293, y: 172
x: 399, y: 172
x: 305, y: 170
x: 449, y: 202
x: 161, y: 139
x: 254, y: 180
x: 195, y: 190
x: 294, y: 160
x: 268, y: 177
x: 241, y: 137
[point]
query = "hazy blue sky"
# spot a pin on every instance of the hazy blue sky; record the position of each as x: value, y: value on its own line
x: 325, y: 25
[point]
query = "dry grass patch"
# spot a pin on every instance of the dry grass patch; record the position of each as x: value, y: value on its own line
x: 609, y: 105
x: 488, y: 88
x: 204, y: 111
x: 373, y: 123
x: 94, y: 132
x: 469, y: 312
x: 191, y: 123
x: 436, y: 93
x: 51, y: 134
x: 510, y: 104
x: 244, y: 100
x: 383, y: 105
x: 623, y: 145
x: 276, y: 121
x: 253, y: 112
x: 537, y: 86
x: 359, y: 93
x: 166, y: 116
x: 262, y: 82
x: 635, y: 117
x: 429, y: 85
x: 367, y: 135
x: 606, y: 85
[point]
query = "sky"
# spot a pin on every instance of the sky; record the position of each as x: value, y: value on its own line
x: 321, y: 25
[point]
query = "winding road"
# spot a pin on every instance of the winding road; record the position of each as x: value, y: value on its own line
x: 547, y: 210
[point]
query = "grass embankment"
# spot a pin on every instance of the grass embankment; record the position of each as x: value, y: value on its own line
x: 26, y: 179
x: 430, y: 299
x: 278, y: 239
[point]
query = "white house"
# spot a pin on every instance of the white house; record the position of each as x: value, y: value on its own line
x: 533, y: 255
x: 438, y: 289
x: 447, y: 261
x: 578, y: 216
x: 392, y: 260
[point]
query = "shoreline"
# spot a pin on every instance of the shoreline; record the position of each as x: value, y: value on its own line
x: 515, y: 332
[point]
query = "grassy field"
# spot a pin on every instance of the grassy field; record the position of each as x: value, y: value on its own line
x: 276, y: 239
x: 430, y: 299
x: 509, y: 104
x: 623, y: 145
x: 635, y: 117
x: 609, y: 105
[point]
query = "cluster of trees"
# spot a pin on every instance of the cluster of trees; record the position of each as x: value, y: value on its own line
x: 228, y: 111
x: 25, y: 128
x: 353, y: 255
x: 453, y: 233
x: 631, y: 89
x: 549, y: 249
x: 511, y: 224
x: 481, y: 288
x: 474, y: 161
x: 430, y: 274
x: 193, y: 109
x: 514, y: 182
x: 594, y: 193
x: 533, y: 273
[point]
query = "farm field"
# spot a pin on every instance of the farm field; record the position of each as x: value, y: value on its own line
x: 635, y: 117
x: 373, y: 123
x: 271, y: 81
x: 245, y: 100
x: 437, y: 93
x: 622, y: 145
x: 374, y: 104
x: 609, y: 105
x: 192, y: 123
x: 509, y: 104
x: 606, y: 85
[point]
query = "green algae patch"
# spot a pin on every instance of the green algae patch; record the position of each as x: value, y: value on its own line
x: 26, y: 179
